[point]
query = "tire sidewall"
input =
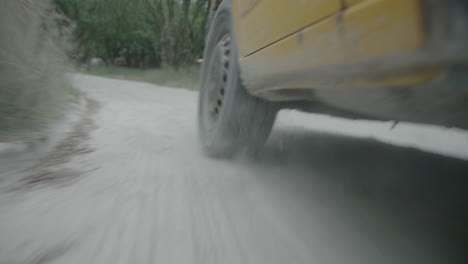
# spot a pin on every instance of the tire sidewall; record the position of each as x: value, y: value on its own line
x: 240, y: 112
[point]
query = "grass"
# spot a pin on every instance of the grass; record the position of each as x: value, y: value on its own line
x: 183, y: 78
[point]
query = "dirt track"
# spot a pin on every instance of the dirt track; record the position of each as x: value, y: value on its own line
x: 143, y: 193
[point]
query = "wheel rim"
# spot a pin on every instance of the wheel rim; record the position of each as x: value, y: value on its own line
x: 218, y: 76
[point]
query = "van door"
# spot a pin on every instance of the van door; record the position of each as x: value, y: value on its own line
x: 260, y: 23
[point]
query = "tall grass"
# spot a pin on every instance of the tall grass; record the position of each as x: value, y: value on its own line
x: 33, y: 88
x: 183, y: 78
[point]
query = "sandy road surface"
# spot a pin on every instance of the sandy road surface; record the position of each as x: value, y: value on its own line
x: 130, y: 186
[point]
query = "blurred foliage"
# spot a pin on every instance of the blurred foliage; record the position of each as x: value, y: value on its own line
x: 183, y: 78
x: 145, y: 33
x: 33, y: 60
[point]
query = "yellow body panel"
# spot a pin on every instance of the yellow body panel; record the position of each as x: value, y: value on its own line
x: 268, y: 21
x: 405, y: 80
x: 377, y: 28
x: 349, y: 3
x: 314, y: 46
x: 369, y: 30
x: 246, y: 5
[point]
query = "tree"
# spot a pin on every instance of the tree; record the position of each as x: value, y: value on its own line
x: 145, y: 32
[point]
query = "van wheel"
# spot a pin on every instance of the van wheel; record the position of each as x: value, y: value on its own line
x: 229, y: 119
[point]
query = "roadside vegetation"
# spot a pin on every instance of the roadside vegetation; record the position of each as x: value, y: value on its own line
x: 186, y: 77
x: 33, y: 60
x: 157, y: 41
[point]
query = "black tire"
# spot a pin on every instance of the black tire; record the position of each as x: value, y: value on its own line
x: 229, y: 119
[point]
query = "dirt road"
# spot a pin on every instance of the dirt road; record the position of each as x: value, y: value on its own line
x: 129, y: 185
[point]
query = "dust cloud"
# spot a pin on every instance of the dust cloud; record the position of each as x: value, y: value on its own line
x: 146, y: 194
x: 127, y: 183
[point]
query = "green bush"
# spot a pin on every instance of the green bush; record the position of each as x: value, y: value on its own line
x: 145, y: 33
x: 186, y: 77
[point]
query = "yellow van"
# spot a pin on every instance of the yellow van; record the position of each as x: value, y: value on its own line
x: 379, y: 59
